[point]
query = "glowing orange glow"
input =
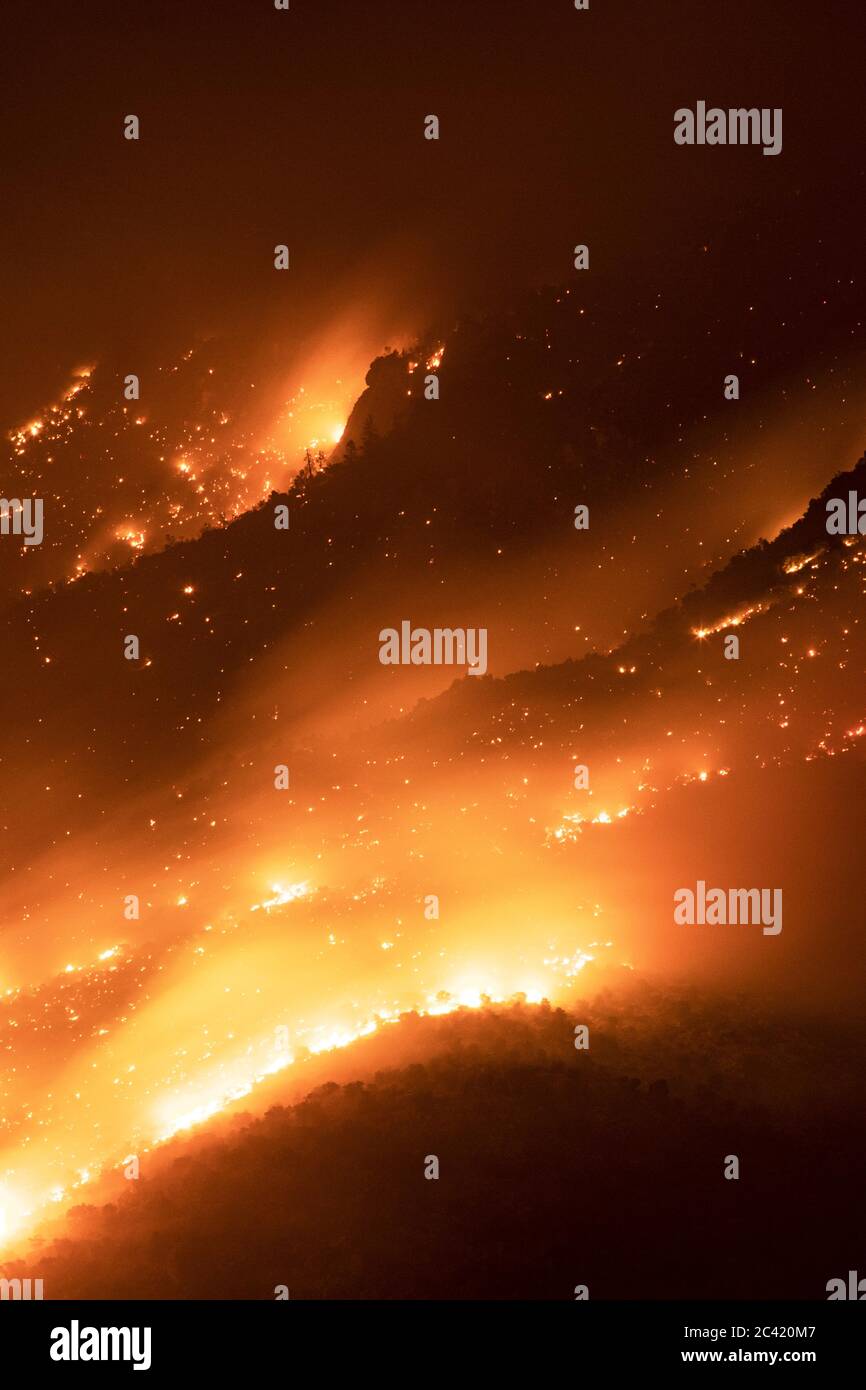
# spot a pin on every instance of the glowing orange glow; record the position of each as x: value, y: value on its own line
x: 199, y: 1099
x: 328, y: 872
x: 799, y: 562
x: 734, y: 620
x: 281, y: 896
x: 134, y: 539
x: 14, y: 1214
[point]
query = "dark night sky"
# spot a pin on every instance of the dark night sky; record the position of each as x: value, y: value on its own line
x: 260, y: 126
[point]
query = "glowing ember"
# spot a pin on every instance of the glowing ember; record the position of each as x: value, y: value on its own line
x: 282, y: 895
x: 734, y: 620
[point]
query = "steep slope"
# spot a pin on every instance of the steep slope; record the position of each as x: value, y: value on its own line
x: 556, y: 1168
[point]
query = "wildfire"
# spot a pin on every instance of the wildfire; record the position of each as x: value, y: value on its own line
x: 571, y: 825
x: 282, y: 895
x: 733, y: 620
x: 55, y: 415
x: 799, y: 562
x: 134, y: 539
x: 257, y: 1060
x: 333, y: 1039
